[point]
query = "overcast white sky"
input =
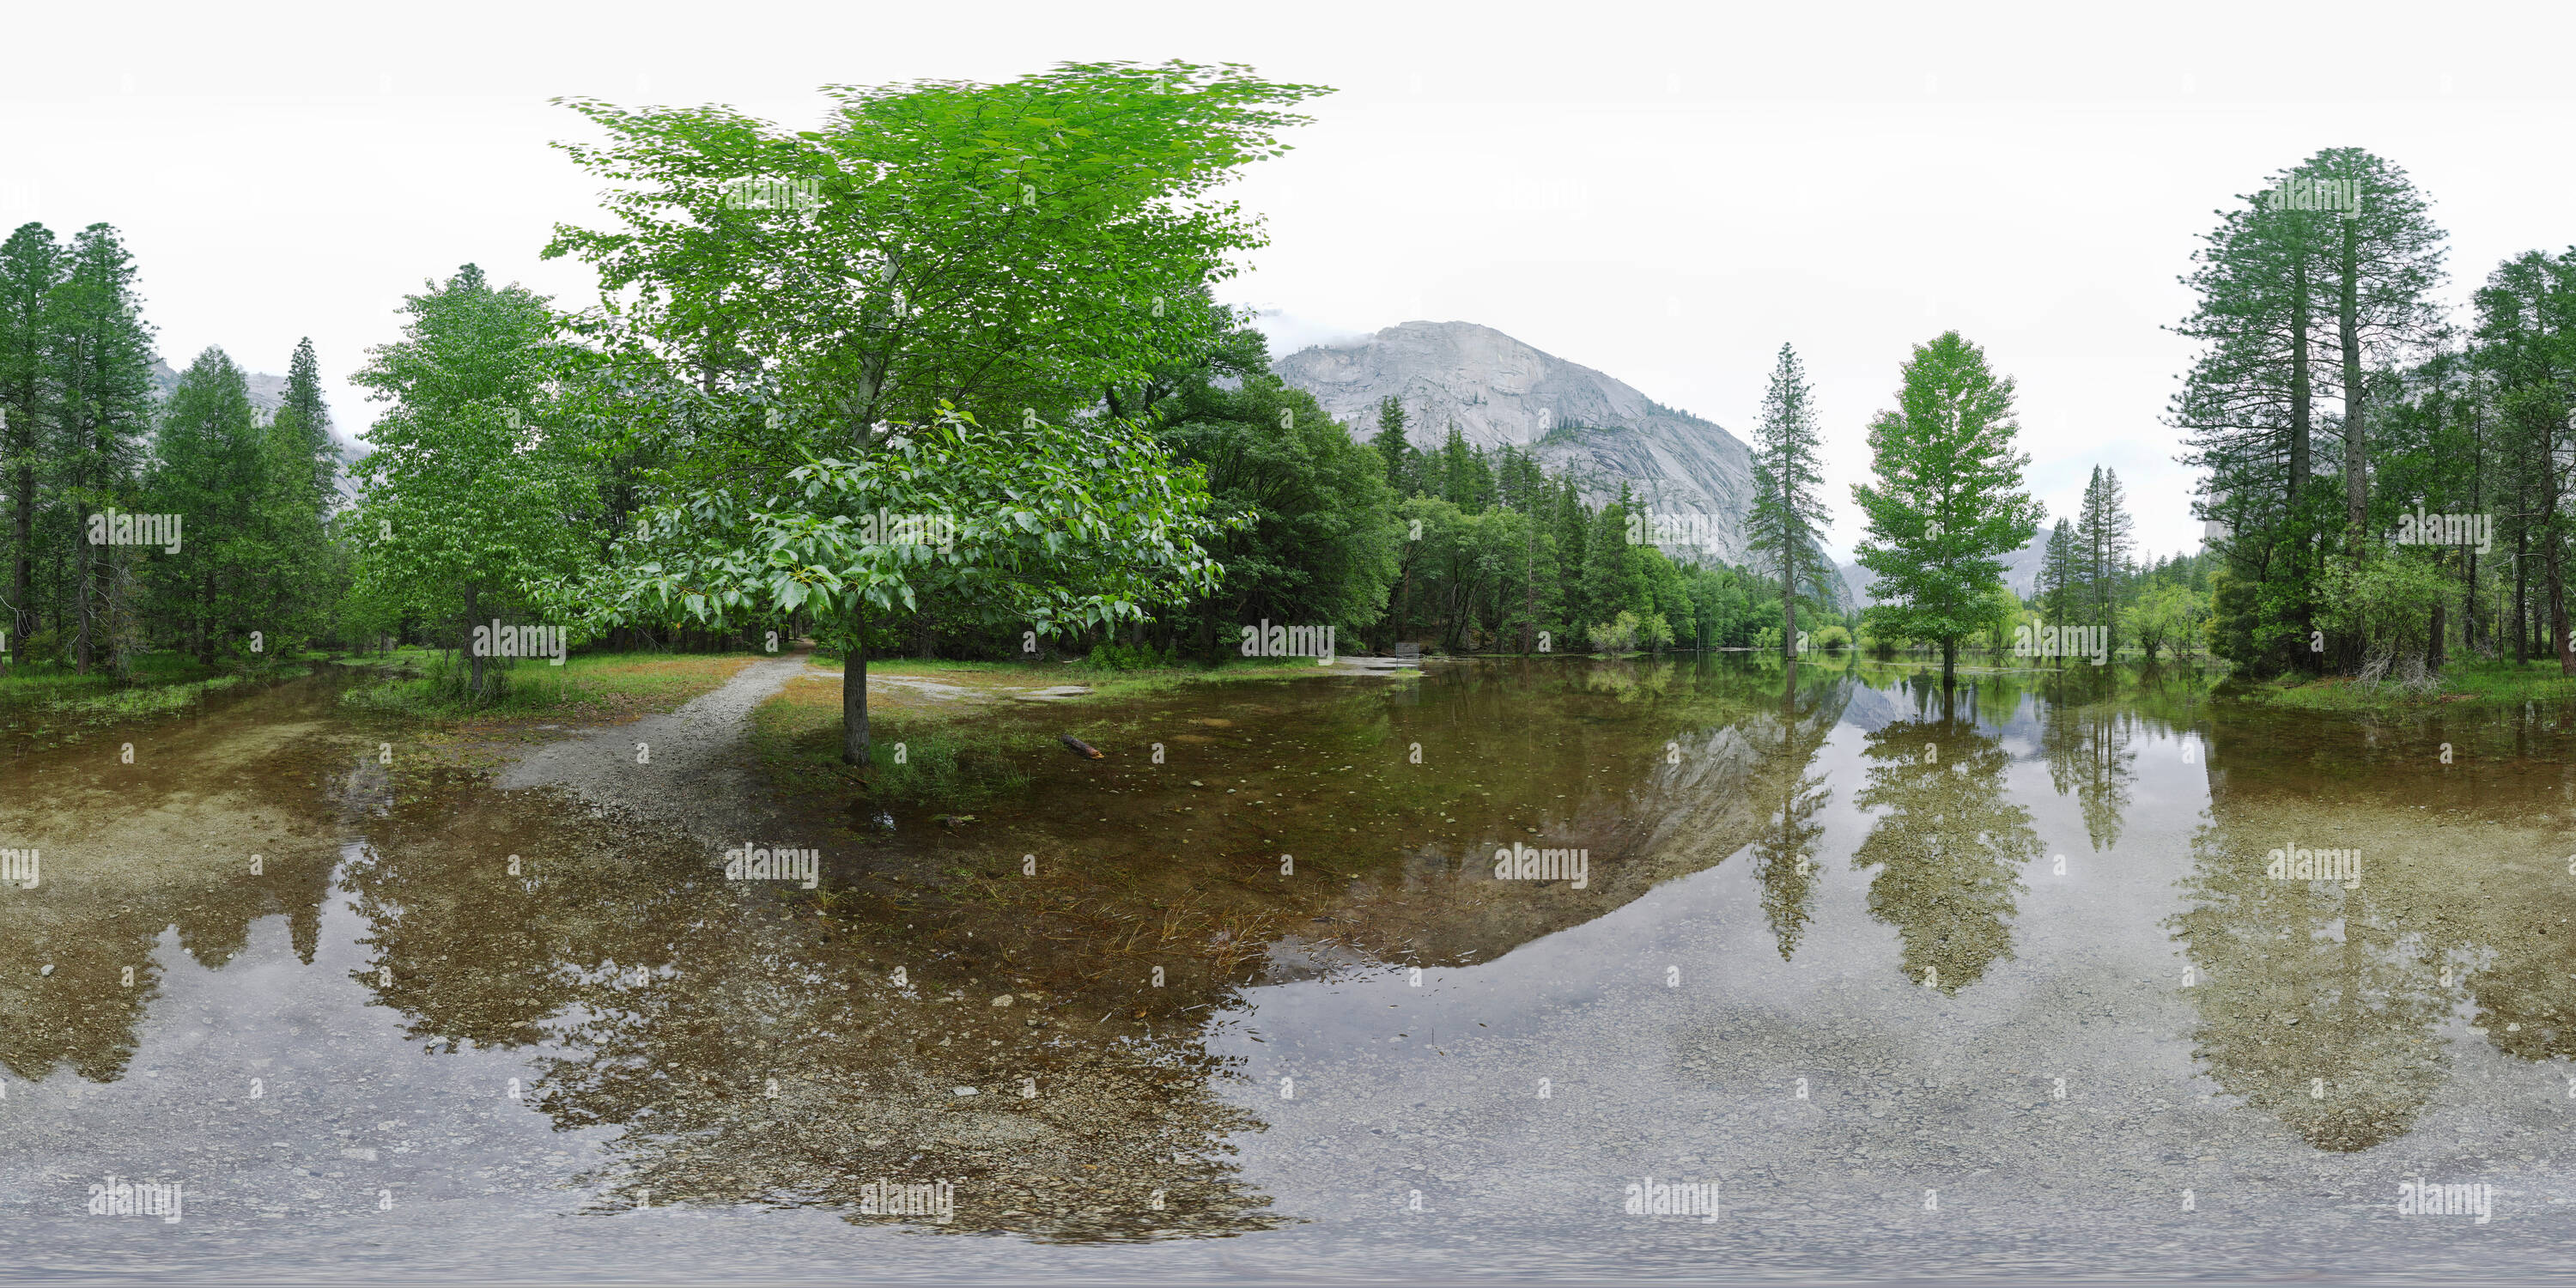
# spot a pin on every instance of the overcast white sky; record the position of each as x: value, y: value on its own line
x: 1666, y: 193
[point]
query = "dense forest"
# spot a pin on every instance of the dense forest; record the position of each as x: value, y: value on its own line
x: 946, y: 378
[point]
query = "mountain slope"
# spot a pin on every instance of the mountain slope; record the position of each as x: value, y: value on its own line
x: 1499, y: 391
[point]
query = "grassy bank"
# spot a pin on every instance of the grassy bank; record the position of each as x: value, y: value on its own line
x: 161, y: 683
x: 2475, y: 681
x: 590, y: 688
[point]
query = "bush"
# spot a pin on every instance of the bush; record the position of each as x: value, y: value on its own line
x: 2383, y: 602
x: 1619, y: 636
x: 1831, y: 639
x: 1128, y: 657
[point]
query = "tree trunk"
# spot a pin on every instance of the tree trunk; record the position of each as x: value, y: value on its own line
x: 2558, y: 616
x: 2521, y: 587
x: 1788, y: 606
x: 854, y: 694
x: 23, y: 619
x: 2356, y: 434
x: 1949, y: 662
x: 474, y: 664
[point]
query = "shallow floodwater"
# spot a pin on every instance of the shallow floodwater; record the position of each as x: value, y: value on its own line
x: 2007, y: 983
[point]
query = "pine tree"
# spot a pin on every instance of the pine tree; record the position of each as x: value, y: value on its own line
x: 304, y: 416
x: 100, y: 353
x: 1787, y: 474
x: 1392, y: 446
x: 2384, y: 265
x: 31, y: 266
x: 211, y: 465
x: 2105, y: 544
x: 1948, y: 501
x: 2059, y: 574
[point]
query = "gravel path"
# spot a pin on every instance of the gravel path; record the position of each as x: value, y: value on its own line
x: 690, y: 767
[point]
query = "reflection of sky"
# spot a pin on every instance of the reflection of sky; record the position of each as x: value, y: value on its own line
x: 1432, y: 1091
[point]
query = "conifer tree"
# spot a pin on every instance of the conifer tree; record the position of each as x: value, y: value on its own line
x: 100, y: 354
x: 2058, y: 574
x: 31, y: 265
x: 1392, y: 446
x: 1787, y: 474
x: 2103, y: 538
x: 303, y: 416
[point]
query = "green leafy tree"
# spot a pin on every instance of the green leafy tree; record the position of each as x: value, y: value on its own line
x: 946, y: 263
x: 474, y: 471
x: 1947, y: 502
x: 1320, y: 543
x: 1088, y: 524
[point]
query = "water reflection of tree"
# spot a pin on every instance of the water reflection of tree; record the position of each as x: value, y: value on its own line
x: 1784, y: 857
x: 750, y: 1050
x: 1949, y: 846
x: 2087, y: 747
x: 2300, y: 981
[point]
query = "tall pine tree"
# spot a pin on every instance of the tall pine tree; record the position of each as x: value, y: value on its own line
x: 1787, y: 475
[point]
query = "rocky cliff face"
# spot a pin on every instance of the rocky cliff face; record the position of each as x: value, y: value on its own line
x: 1500, y: 391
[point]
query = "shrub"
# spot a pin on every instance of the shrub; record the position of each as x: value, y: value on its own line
x: 1127, y: 657
x: 1618, y: 636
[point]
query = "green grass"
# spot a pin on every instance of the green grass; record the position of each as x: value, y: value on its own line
x: 422, y: 683
x: 960, y: 754
x: 2470, y: 682
x: 162, y: 683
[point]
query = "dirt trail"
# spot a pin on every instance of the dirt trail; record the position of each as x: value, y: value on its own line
x: 693, y: 767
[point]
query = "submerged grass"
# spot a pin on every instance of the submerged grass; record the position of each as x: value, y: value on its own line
x: 2476, y: 681
x: 162, y: 683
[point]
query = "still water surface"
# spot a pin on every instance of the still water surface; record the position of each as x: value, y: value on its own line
x: 1999, y: 984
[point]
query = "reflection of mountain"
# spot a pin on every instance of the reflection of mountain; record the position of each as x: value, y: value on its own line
x: 1949, y: 847
x: 2310, y: 1007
